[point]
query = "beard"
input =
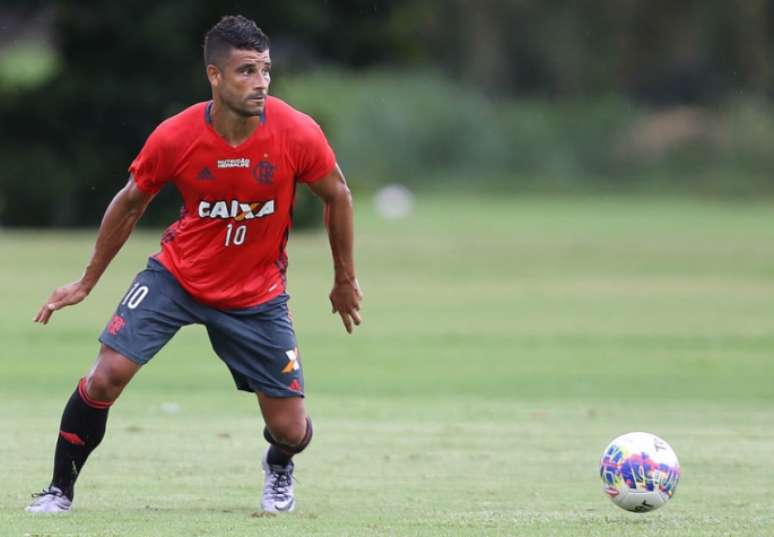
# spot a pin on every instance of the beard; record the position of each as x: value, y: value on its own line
x: 242, y: 108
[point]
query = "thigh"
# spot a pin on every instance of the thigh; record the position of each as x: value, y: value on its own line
x: 148, y: 316
x: 259, y: 347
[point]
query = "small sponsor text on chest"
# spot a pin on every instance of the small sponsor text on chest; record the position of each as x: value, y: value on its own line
x: 234, y: 163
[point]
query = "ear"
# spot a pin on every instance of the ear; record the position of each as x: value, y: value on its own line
x: 213, y: 75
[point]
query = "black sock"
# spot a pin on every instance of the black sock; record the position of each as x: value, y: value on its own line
x: 81, y: 430
x: 278, y: 457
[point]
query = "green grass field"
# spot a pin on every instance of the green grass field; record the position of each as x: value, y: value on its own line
x: 506, y: 342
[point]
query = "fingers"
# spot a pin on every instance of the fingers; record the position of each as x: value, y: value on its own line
x: 347, y: 322
x: 346, y: 302
x: 47, y: 309
x: 64, y: 296
x: 350, y: 318
x: 45, y: 313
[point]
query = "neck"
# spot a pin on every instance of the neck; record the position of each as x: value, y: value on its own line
x: 234, y: 128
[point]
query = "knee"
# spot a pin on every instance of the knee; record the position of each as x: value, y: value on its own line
x: 288, y: 432
x: 104, y: 385
x: 291, y: 435
x: 109, y: 376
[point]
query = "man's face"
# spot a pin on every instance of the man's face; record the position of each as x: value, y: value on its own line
x: 243, y: 82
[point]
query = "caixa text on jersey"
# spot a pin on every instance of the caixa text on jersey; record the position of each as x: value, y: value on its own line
x: 238, y: 210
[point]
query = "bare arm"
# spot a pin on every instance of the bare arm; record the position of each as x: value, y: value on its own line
x: 117, y: 224
x: 345, y: 296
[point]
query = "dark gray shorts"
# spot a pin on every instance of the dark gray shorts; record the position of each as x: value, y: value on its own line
x: 257, y: 344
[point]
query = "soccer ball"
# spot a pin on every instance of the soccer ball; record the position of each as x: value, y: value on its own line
x: 639, y: 472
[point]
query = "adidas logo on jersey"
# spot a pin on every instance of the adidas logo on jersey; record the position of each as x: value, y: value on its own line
x: 235, y: 209
x: 205, y: 175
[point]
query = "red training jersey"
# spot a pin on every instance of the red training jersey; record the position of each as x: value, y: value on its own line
x: 228, y: 247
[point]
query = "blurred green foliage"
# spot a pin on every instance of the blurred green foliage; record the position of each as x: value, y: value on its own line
x: 26, y: 65
x: 124, y: 67
x: 419, y: 129
x: 501, y: 95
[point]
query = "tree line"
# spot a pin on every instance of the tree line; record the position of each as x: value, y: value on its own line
x: 124, y: 66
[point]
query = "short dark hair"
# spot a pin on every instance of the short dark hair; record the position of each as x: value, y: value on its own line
x: 232, y: 32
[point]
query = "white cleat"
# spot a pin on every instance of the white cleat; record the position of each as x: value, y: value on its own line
x: 277, y: 488
x: 50, y: 500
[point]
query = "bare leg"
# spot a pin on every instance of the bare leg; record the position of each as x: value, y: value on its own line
x: 110, y: 374
x: 285, y: 417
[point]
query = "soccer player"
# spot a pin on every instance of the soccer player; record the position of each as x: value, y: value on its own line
x: 236, y: 161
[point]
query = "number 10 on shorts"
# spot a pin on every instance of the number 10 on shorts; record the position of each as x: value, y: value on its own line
x: 135, y: 295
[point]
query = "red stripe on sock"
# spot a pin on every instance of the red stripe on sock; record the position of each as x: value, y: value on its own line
x: 100, y: 405
x: 73, y: 438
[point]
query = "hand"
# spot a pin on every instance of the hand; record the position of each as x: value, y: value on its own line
x: 345, y: 299
x: 70, y: 294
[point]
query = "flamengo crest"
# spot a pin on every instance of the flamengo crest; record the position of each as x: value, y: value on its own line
x: 264, y: 171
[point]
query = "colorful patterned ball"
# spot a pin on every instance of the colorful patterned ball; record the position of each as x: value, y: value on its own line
x: 639, y: 472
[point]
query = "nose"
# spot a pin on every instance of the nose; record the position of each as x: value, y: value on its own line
x: 262, y: 81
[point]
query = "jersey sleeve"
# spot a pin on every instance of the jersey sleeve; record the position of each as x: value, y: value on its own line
x: 314, y: 157
x: 151, y: 168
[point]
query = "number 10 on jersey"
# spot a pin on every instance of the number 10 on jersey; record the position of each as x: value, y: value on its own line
x: 235, y: 236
